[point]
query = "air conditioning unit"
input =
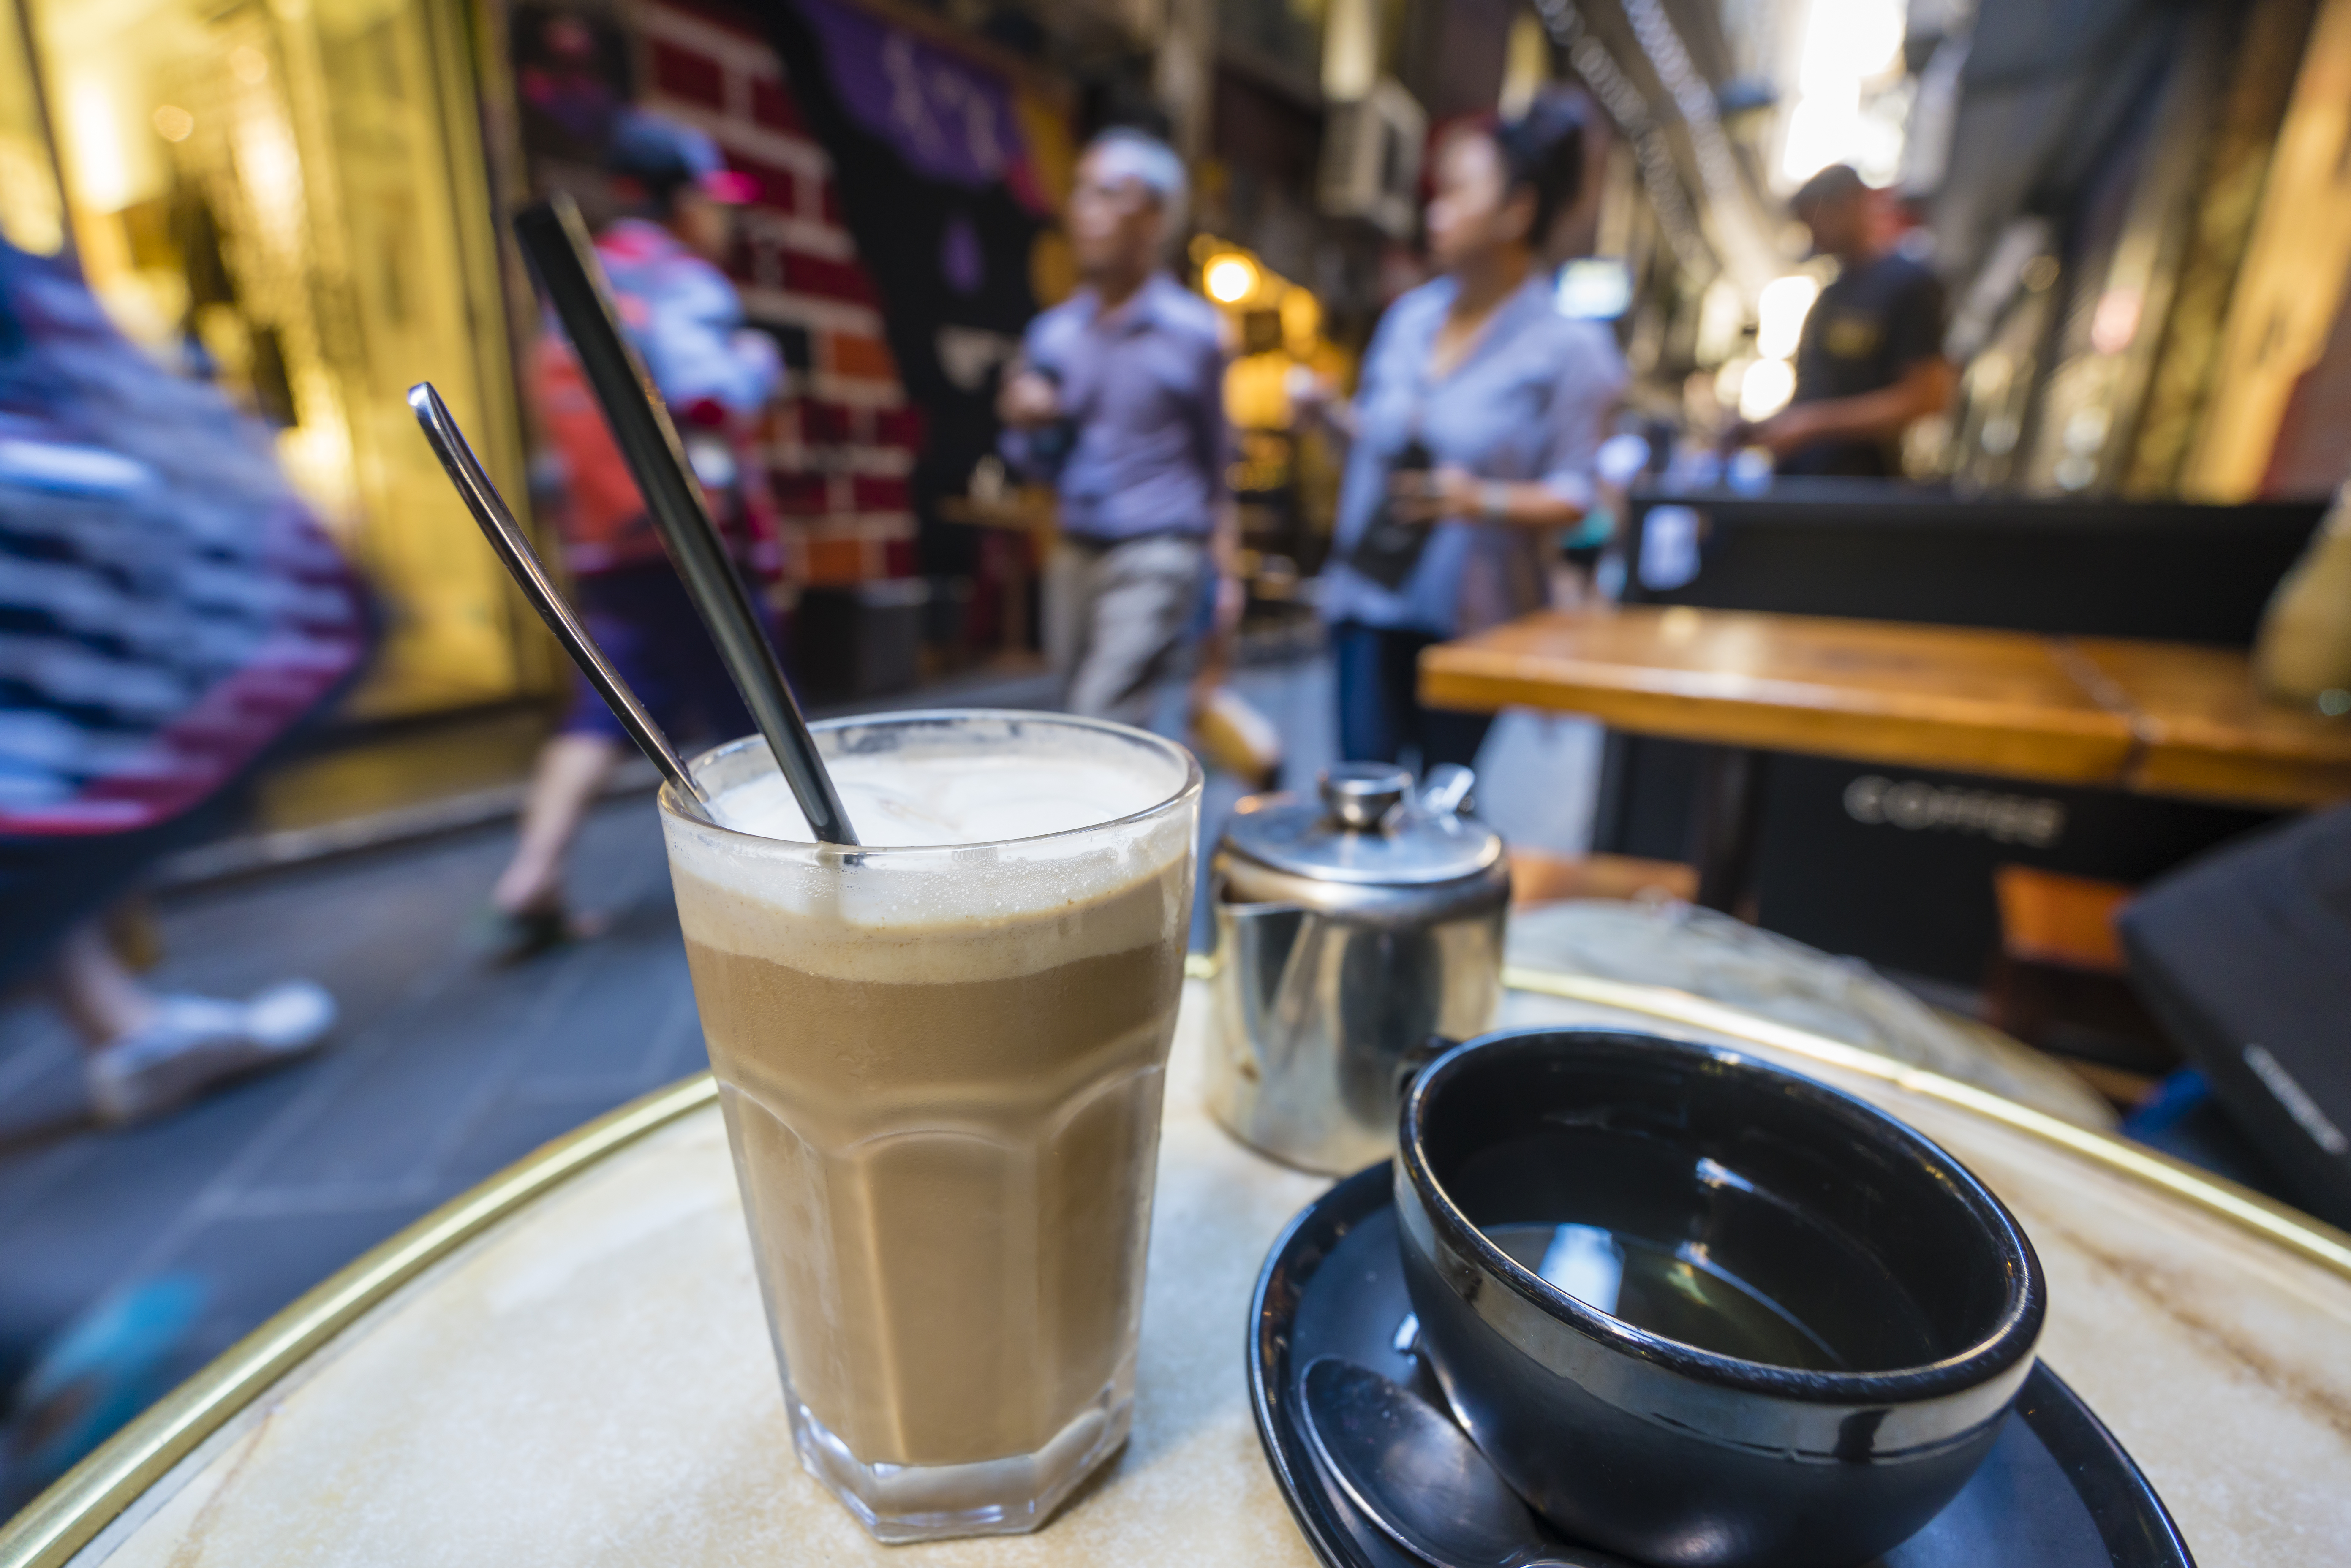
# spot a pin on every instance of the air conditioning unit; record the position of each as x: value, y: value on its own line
x: 1371, y: 158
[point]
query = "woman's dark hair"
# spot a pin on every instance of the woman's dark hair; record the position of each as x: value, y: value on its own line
x: 1543, y: 151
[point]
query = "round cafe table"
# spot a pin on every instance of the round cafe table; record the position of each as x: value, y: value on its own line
x: 568, y: 1368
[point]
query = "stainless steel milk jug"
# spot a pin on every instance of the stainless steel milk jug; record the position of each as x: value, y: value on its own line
x: 1352, y: 931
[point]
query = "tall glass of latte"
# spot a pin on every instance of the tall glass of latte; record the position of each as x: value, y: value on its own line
x: 941, y: 1057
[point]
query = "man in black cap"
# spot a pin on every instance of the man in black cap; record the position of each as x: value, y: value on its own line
x: 1870, y: 363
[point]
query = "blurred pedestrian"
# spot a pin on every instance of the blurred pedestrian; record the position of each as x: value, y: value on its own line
x: 1870, y: 362
x: 1118, y: 400
x: 685, y: 320
x: 1474, y: 427
x: 169, y: 613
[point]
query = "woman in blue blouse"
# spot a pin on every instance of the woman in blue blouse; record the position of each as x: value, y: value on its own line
x: 1497, y: 406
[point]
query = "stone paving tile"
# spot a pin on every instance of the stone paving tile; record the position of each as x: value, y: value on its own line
x: 385, y: 1103
x: 113, y: 1200
x: 41, y: 1121
x: 516, y: 1124
x: 622, y: 1021
x: 332, y: 1155
x: 379, y: 924
x: 254, y: 1265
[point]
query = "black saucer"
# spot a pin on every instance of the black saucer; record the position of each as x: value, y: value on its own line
x: 2057, y: 1492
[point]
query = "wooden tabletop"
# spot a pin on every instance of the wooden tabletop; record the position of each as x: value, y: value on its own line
x: 1022, y: 511
x: 2161, y: 718
x: 2203, y: 730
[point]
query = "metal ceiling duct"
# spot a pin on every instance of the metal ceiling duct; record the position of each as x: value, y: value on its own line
x: 1657, y: 67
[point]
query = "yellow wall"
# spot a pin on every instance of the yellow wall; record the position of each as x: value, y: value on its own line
x: 32, y: 215
x: 334, y: 148
x: 2292, y: 286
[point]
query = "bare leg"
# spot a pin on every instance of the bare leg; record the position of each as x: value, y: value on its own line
x: 100, y: 997
x: 570, y: 774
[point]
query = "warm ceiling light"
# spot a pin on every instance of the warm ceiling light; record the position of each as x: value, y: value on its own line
x: 173, y: 123
x: 1231, y: 279
x: 251, y: 65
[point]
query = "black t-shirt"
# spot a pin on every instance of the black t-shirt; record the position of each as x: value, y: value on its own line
x: 1868, y: 328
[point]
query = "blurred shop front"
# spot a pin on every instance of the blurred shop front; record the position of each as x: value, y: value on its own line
x: 292, y: 199
x: 303, y: 201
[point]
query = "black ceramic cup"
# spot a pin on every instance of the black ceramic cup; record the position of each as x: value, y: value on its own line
x: 1750, y: 1321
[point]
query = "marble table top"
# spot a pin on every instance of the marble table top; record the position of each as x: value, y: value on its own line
x: 587, y: 1381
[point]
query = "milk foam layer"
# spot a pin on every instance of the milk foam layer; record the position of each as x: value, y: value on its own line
x: 977, y: 871
x: 896, y: 800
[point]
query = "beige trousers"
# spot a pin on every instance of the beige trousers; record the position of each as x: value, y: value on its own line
x: 1116, y: 619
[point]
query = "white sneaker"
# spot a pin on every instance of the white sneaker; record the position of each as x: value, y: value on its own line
x: 196, y: 1041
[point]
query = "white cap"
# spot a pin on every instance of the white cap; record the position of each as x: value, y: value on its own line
x: 1125, y: 153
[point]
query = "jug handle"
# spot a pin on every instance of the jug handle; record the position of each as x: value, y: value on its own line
x: 1445, y: 790
x: 1409, y: 1065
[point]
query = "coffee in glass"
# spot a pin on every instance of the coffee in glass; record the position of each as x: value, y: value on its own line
x: 941, y: 1057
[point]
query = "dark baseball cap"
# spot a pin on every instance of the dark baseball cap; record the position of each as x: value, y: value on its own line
x: 1837, y: 182
x: 664, y: 155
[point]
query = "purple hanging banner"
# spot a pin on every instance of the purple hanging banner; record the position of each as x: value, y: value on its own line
x: 948, y: 117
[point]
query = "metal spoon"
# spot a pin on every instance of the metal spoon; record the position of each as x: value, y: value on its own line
x: 530, y: 575
x: 1421, y: 1482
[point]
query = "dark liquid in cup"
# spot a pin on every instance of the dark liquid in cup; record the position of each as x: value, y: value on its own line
x: 1674, y: 1292
x: 1632, y: 1224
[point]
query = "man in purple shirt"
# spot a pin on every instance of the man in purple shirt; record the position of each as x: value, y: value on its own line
x: 1118, y: 401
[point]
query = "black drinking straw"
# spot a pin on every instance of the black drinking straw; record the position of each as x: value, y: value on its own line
x: 558, y: 247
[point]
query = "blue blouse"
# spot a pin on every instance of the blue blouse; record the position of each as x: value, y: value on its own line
x: 1529, y: 402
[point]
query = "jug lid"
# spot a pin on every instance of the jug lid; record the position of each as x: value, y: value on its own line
x: 1369, y: 826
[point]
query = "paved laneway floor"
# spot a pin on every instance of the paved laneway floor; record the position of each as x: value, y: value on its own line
x: 443, y: 1070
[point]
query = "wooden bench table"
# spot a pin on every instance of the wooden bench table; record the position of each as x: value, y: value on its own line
x: 2156, y: 717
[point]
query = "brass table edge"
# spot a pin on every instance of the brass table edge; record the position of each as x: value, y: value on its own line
x: 94, y: 1493
x: 2311, y: 1239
